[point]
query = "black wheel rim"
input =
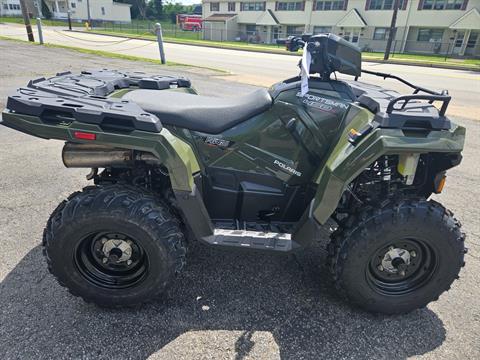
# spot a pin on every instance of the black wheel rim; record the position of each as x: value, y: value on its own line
x: 111, y: 260
x: 398, y: 275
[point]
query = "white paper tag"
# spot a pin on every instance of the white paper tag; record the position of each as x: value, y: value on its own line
x: 305, y: 70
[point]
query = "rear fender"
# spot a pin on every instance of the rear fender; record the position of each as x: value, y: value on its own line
x: 177, y: 156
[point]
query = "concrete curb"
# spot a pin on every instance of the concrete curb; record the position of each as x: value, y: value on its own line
x: 393, y: 62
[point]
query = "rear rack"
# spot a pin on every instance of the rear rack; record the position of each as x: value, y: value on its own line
x: 408, y: 111
x: 89, y: 97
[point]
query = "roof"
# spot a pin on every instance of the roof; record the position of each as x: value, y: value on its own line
x: 220, y: 17
x: 352, y: 19
x: 267, y: 18
x: 469, y: 21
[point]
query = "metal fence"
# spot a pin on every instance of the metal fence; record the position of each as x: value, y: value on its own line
x: 213, y: 32
x: 169, y: 30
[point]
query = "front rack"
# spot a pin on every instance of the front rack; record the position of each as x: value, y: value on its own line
x: 431, y: 95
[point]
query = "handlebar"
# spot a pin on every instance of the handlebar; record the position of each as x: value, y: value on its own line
x: 294, y: 43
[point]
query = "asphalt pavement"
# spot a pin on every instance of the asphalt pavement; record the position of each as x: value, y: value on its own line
x: 226, y: 305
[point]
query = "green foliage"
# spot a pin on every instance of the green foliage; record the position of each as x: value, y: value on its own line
x: 171, y: 9
x: 157, y: 5
x: 157, y: 9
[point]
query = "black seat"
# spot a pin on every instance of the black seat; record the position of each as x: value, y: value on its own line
x: 200, y: 113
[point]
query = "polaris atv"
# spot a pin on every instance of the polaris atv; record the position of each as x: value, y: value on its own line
x: 265, y: 171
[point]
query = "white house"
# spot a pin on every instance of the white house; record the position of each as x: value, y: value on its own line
x: 10, y: 8
x: 428, y: 26
x: 106, y: 10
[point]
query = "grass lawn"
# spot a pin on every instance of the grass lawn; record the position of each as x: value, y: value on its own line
x: 18, y: 20
x: 433, y: 59
x: 177, y: 38
x: 193, y: 38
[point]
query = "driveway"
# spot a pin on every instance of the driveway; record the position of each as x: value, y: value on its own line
x: 226, y: 305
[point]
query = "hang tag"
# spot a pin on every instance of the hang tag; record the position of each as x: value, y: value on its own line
x: 305, y: 70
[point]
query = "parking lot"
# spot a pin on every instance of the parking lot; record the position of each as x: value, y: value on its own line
x: 227, y: 305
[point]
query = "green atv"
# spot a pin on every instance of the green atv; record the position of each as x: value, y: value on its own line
x: 265, y: 171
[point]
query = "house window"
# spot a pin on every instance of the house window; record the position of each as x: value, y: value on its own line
x: 380, y: 33
x: 73, y: 5
x: 454, y: 4
x: 384, y: 4
x: 251, y: 29
x: 103, y: 10
x: 442, y: 4
x: 329, y: 5
x: 322, y: 29
x: 430, y: 35
x: 252, y: 6
x: 231, y: 6
x: 290, y: 6
x: 5, y: 6
x: 295, y: 30
x: 214, y: 6
x: 472, y: 40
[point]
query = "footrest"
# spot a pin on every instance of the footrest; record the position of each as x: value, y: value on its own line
x: 252, y: 240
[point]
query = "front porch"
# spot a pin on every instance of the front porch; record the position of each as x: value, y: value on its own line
x: 58, y: 8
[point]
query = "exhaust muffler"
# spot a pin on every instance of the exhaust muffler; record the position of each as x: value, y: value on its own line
x: 100, y: 156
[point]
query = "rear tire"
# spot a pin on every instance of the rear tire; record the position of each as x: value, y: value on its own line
x: 114, y: 245
x: 398, y: 258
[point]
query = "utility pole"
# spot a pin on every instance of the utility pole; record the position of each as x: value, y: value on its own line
x: 69, y: 13
x: 40, y: 33
x: 26, y: 20
x: 158, y: 30
x: 392, y: 32
x: 88, y: 14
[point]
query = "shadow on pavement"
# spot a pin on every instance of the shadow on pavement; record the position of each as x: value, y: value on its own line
x: 237, y: 294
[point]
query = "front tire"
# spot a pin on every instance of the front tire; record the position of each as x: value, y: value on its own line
x: 114, y: 245
x: 398, y: 258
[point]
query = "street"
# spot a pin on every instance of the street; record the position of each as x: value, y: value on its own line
x: 226, y: 305
x: 266, y: 69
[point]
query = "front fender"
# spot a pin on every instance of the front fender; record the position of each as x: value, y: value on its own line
x: 346, y: 161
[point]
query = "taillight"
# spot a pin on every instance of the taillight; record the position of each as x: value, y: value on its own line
x: 84, y: 135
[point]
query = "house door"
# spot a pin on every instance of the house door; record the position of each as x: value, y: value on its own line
x: 275, y: 33
x: 352, y: 35
x: 458, y: 42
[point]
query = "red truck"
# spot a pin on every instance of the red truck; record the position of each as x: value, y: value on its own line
x: 190, y: 22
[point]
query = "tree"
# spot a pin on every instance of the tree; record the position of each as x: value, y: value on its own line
x: 158, y: 6
x: 170, y: 10
x: 142, y: 8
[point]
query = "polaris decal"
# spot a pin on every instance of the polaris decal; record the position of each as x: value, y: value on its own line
x: 323, y: 104
x: 287, y: 168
